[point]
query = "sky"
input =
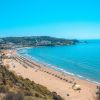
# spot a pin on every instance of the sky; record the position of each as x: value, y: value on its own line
x: 72, y: 19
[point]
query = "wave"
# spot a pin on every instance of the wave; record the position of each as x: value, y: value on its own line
x: 57, y: 68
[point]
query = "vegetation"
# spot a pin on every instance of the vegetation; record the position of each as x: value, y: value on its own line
x: 98, y: 93
x: 34, y: 41
x: 13, y: 87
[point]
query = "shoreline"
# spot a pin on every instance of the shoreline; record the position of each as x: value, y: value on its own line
x: 57, y: 68
x: 62, y: 71
x: 51, y: 78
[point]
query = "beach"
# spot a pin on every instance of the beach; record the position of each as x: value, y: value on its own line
x: 50, y: 78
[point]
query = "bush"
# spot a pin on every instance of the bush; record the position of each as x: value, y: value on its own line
x: 56, y: 97
x: 10, y: 96
x: 13, y: 96
x: 19, y: 96
x: 27, y: 93
x: 3, y: 89
x: 37, y: 95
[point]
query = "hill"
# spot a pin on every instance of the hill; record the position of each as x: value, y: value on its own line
x: 14, y: 87
x: 35, y: 41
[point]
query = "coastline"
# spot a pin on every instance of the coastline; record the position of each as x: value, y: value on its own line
x: 51, y: 78
x: 55, y: 67
x: 62, y: 71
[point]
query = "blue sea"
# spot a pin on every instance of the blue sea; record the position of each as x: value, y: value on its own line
x: 82, y: 60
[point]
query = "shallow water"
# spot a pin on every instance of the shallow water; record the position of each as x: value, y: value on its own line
x: 82, y: 60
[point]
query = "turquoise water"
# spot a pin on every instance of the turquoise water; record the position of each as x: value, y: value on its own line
x: 82, y: 60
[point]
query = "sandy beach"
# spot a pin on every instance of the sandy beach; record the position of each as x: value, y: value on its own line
x: 52, y: 79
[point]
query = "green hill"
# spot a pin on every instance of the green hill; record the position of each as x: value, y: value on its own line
x: 35, y: 41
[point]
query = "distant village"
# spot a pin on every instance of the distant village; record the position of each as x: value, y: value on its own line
x: 19, y: 42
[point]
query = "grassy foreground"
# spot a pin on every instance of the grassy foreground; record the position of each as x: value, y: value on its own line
x: 13, y: 87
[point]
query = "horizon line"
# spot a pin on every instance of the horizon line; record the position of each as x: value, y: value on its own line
x: 51, y: 36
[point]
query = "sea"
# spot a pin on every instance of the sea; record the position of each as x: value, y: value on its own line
x: 81, y: 60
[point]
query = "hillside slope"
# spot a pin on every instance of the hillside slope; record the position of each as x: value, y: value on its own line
x: 13, y: 87
x: 35, y: 41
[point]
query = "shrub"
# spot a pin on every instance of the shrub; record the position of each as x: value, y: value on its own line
x: 39, y: 95
x: 10, y: 96
x: 27, y: 93
x: 13, y: 96
x: 56, y: 97
x: 3, y: 89
x: 19, y: 96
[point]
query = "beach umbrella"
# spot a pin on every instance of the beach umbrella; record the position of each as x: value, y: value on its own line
x: 77, y: 87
